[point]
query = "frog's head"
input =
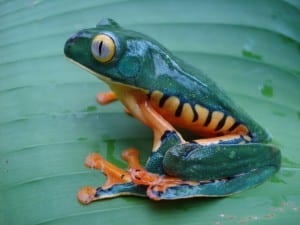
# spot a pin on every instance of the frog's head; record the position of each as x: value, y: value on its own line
x: 109, y: 52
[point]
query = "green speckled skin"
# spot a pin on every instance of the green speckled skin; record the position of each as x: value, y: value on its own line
x: 143, y: 63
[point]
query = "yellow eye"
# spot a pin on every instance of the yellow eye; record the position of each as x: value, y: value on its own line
x: 103, y: 48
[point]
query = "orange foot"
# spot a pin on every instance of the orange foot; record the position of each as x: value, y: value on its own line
x: 156, y: 183
x: 114, y: 174
x: 104, y: 98
x: 136, y: 175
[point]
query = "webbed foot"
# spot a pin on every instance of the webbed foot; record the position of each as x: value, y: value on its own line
x: 118, y: 181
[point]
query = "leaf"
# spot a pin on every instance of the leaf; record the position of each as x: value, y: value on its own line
x: 49, y: 120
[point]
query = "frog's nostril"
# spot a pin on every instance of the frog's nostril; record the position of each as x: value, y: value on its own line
x: 68, y: 46
x: 75, y: 38
x: 69, y: 43
x: 71, y: 40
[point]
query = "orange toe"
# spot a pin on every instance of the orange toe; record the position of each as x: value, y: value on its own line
x: 86, y: 195
x: 94, y: 161
x: 106, y: 97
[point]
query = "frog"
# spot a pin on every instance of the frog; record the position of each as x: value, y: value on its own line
x: 229, y: 151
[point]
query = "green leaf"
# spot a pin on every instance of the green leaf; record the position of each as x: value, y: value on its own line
x: 49, y: 120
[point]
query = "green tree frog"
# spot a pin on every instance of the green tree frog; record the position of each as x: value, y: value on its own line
x: 229, y: 154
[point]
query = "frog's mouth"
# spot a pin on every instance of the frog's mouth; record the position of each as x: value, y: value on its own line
x: 98, y: 75
x: 106, y: 79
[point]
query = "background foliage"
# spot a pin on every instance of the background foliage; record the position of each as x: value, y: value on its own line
x: 49, y: 120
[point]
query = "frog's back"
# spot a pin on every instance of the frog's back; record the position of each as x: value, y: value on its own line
x: 188, y: 99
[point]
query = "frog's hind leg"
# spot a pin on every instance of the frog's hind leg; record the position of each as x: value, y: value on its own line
x: 171, y: 138
x: 118, y: 180
x: 221, y: 169
x: 209, y: 170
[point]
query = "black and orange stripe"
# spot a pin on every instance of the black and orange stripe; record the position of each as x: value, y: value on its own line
x: 213, y: 121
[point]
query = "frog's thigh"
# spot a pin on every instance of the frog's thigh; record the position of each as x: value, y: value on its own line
x: 208, y: 162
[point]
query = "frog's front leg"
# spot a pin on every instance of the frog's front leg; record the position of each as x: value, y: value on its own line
x: 138, y: 105
x: 104, y: 98
x: 158, y: 124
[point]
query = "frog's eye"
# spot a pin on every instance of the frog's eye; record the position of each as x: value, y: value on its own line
x: 103, y: 48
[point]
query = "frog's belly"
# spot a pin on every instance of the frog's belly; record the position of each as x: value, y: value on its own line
x: 195, y: 118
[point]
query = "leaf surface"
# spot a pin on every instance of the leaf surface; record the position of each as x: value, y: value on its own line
x: 49, y: 120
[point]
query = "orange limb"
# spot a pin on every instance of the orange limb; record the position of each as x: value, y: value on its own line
x: 137, y: 174
x: 127, y: 111
x: 114, y: 174
x: 137, y: 103
x: 140, y: 176
x: 155, y: 121
x: 215, y: 140
x: 131, y: 156
x: 224, y: 138
x: 155, y: 182
x: 104, y: 98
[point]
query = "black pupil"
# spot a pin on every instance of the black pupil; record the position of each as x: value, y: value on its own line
x: 100, y: 47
